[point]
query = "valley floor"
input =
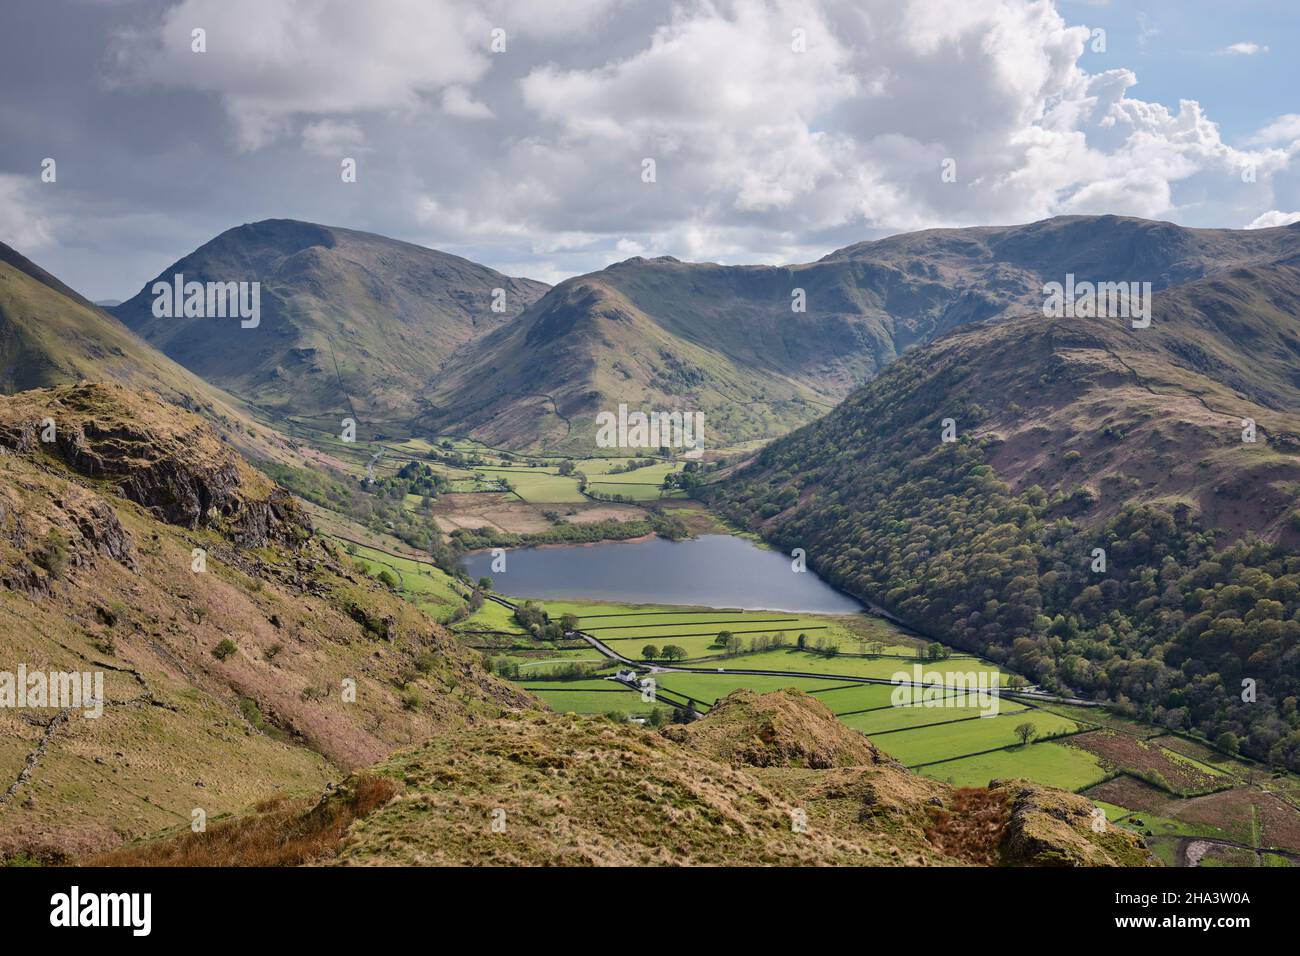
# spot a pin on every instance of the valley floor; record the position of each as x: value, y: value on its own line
x: 1192, y: 804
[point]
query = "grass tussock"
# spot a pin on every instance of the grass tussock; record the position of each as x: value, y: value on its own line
x: 282, y: 831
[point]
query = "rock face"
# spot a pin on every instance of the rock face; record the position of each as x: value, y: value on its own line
x: 156, y: 455
x: 47, y: 525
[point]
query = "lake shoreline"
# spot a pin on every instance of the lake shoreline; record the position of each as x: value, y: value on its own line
x: 712, y: 570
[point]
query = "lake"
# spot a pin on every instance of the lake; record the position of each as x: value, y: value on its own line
x: 714, y: 570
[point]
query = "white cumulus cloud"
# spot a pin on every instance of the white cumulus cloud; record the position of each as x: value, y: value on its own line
x: 1272, y: 218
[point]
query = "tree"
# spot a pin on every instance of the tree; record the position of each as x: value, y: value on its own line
x: 569, y: 622
x: 1025, y: 731
x: 722, y: 639
x: 485, y: 584
x: 649, y: 652
x: 802, y: 643
x: 672, y: 652
x: 1228, y: 742
x: 566, y: 467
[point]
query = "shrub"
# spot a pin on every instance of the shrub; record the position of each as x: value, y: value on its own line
x: 225, y: 649
x: 52, y: 555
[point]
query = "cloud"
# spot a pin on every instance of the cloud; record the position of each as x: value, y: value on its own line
x: 456, y: 101
x: 272, y: 63
x: 1274, y: 218
x: 1284, y: 129
x: 779, y: 129
x: 24, y: 225
x: 1245, y: 48
x: 850, y: 135
x: 331, y: 138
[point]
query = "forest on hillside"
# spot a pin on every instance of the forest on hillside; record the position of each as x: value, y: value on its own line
x: 1181, y: 630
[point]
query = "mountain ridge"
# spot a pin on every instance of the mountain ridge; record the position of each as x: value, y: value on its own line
x: 724, y: 339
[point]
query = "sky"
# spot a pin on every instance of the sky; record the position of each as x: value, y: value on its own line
x: 517, y: 132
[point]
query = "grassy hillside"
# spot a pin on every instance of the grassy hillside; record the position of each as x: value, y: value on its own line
x: 49, y: 335
x: 763, y: 780
x: 223, y: 686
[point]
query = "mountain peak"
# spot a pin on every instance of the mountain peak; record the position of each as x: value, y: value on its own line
x: 351, y: 324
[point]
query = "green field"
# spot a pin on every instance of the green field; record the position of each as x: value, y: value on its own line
x: 641, y: 484
x: 627, y: 628
x: 854, y: 698
x: 538, y: 485
x: 491, y: 617
x: 1046, y: 762
x: 882, y: 668
x: 589, y: 697
x: 708, y: 688
x: 928, y: 744
x: 428, y: 587
x: 898, y: 718
x: 546, y: 661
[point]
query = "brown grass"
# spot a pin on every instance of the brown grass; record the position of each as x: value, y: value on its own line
x: 279, y: 832
x: 1125, y: 752
x: 972, y: 825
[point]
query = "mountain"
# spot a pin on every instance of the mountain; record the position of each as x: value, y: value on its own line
x: 350, y: 323
x: 1072, y: 435
x: 725, y: 340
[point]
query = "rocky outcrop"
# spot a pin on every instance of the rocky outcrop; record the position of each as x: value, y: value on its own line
x: 1055, y: 828
x: 781, y: 729
x: 164, y: 459
x: 47, y: 527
